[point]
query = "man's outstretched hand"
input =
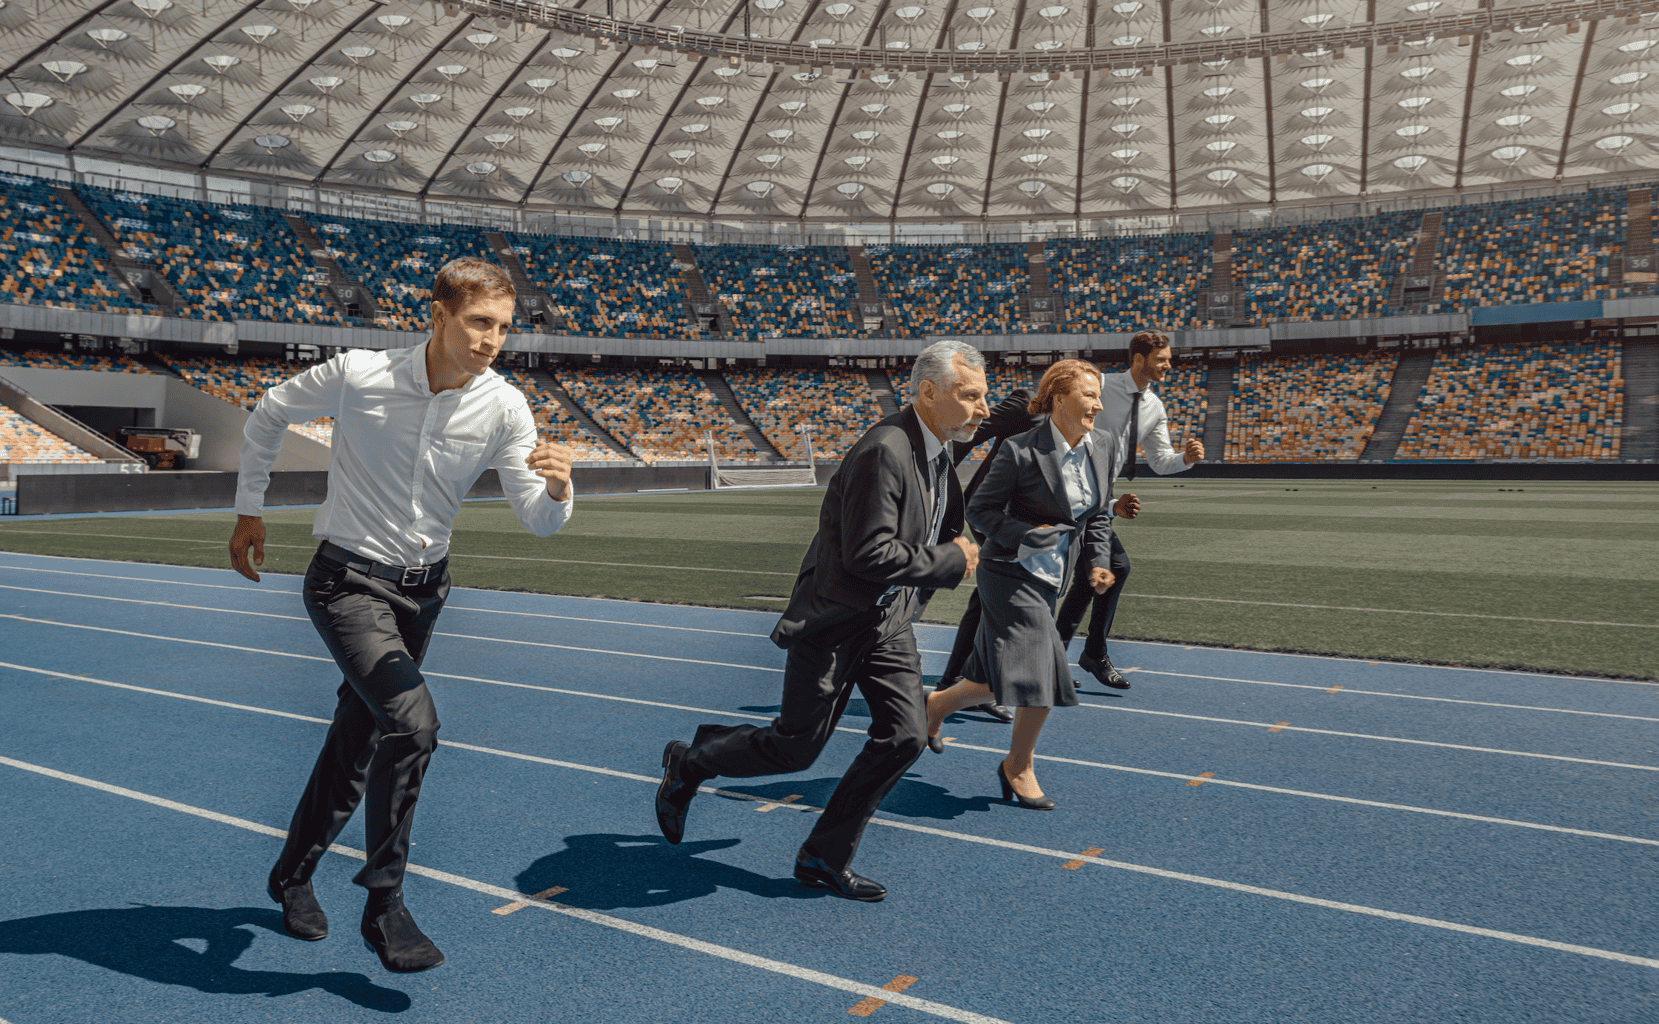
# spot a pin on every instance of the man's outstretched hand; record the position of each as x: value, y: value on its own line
x: 249, y: 532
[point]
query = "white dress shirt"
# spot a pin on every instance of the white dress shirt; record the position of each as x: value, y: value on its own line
x: 1077, y: 484
x: 1117, y: 393
x: 402, y: 456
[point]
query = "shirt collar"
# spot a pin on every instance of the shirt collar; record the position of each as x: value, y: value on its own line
x: 930, y: 443
x: 1060, y: 444
x: 417, y: 367
x: 1127, y: 379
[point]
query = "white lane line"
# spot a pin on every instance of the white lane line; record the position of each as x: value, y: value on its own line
x: 1368, y: 736
x: 1183, y: 776
x: 779, y: 671
x: 927, y: 1006
x: 1062, y: 855
x: 1391, y: 611
x: 69, y: 534
x: 1384, y: 693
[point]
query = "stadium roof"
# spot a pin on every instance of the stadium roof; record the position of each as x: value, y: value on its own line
x: 845, y: 110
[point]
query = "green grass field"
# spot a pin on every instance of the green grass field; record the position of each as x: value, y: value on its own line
x: 1555, y: 576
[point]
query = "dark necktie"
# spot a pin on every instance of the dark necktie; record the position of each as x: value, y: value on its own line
x: 1134, y: 434
x: 941, y: 466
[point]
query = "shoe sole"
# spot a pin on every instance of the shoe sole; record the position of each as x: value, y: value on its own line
x: 667, y: 759
x: 813, y: 883
x: 400, y: 970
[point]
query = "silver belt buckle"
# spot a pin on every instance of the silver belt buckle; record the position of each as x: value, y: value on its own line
x: 413, y: 576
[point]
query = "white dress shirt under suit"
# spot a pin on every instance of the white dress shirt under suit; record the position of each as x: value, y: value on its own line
x: 402, y: 457
x: 1078, y: 482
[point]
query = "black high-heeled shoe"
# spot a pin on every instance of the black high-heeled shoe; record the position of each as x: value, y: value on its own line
x: 1042, y: 803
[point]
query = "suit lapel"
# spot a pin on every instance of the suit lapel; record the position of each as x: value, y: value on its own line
x: 1048, y: 460
x: 920, y: 482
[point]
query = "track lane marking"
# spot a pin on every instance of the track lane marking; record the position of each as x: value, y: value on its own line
x: 517, y: 905
x: 1000, y: 753
x: 870, y: 1004
x: 619, y: 924
x: 780, y: 802
x: 1200, y: 778
x: 830, y: 980
x: 1073, y: 865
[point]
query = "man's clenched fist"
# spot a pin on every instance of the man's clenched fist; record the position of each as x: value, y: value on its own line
x: 971, y: 550
x: 552, y: 463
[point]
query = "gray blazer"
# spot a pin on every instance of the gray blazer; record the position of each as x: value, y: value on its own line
x: 1022, y: 491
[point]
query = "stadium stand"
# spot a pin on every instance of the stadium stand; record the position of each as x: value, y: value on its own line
x: 24, y: 442
x: 837, y: 403
x: 396, y: 261
x: 1186, y: 397
x: 1324, y: 271
x: 791, y: 291
x: 1131, y: 283
x: 968, y: 289
x: 609, y: 288
x: 1554, y: 401
x: 46, y: 255
x: 226, y: 262
x: 555, y: 421
x: 658, y: 414
x: 96, y: 362
x: 1315, y: 408
x: 1555, y: 249
x: 244, y: 382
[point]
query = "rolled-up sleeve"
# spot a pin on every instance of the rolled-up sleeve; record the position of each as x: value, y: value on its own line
x: 300, y: 399
x: 526, y: 491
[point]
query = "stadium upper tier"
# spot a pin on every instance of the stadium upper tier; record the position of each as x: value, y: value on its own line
x: 848, y: 112
x: 246, y: 262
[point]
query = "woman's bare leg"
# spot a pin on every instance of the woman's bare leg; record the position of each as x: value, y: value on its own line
x: 1018, y: 765
x: 941, y: 704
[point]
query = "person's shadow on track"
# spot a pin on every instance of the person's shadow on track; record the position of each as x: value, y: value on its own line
x: 149, y: 942
x: 606, y: 871
x: 911, y: 798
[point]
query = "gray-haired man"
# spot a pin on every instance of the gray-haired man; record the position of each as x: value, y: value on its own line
x: 887, y: 538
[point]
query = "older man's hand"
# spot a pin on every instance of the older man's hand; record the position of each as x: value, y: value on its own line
x: 971, y: 550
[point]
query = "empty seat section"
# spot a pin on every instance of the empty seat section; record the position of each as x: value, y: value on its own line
x: 658, y: 414
x: 226, y: 262
x: 790, y: 291
x: 554, y: 421
x: 22, y: 441
x: 1324, y: 271
x: 397, y: 261
x: 1186, y: 397
x: 243, y: 382
x: 952, y: 289
x: 99, y: 362
x: 1555, y: 249
x: 1131, y: 283
x: 1549, y: 401
x: 1316, y: 408
x: 836, y: 403
x: 610, y: 288
x: 47, y: 258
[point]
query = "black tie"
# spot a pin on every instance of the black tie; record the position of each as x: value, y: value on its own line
x: 1134, y: 434
x: 941, y: 466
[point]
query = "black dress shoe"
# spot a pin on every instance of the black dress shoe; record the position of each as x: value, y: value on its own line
x: 935, y: 744
x: 814, y: 873
x: 392, y: 935
x: 674, y: 795
x: 1103, y: 671
x: 995, y: 710
x: 302, y: 917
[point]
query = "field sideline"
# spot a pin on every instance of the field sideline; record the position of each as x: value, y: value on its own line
x: 1551, y: 576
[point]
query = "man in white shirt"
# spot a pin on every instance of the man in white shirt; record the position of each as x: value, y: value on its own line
x: 413, y: 429
x: 1130, y: 406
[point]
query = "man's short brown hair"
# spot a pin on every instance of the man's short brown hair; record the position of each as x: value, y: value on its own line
x: 1144, y: 342
x: 462, y: 280
x: 1061, y: 379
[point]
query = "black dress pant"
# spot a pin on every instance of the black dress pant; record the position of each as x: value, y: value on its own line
x: 874, y: 652
x: 385, y: 724
x: 1079, y: 597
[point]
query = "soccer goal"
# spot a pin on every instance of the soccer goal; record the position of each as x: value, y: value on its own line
x: 721, y: 479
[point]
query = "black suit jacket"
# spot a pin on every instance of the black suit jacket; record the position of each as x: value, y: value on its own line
x: 872, y: 532
x: 1022, y: 491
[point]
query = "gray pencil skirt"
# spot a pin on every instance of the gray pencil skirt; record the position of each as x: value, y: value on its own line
x: 1018, y: 652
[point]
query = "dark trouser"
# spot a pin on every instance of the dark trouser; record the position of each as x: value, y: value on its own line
x: 385, y: 724
x: 1105, y: 605
x: 876, y: 652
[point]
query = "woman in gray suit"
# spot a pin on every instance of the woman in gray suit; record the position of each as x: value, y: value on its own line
x: 1042, y: 505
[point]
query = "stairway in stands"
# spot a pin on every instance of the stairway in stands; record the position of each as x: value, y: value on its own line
x: 534, y: 304
x: 717, y: 383
x: 872, y: 310
x: 882, y: 385
x: 700, y: 302
x: 347, y: 294
x: 551, y: 385
x: 1040, y: 306
x: 1410, y: 374
x: 1640, y: 365
x: 1220, y: 385
x: 144, y: 283
x: 1638, y: 264
x: 1222, y: 304
x: 1423, y: 284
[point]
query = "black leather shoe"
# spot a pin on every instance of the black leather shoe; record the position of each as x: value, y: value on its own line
x: 392, y: 935
x: 674, y: 795
x: 814, y: 873
x: 1103, y: 671
x: 302, y: 916
x: 935, y: 744
x: 995, y: 710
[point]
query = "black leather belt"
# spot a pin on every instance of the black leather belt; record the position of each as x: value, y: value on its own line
x: 404, y: 576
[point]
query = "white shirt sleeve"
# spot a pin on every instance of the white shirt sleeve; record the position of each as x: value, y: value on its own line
x: 300, y: 399
x: 1154, y: 437
x: 526, y: 491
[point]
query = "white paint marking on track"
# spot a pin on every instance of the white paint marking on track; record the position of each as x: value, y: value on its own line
x: 1485, y: 819
x: 1392, y: 611
x: 758, y: 668
x: 806, y: 974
